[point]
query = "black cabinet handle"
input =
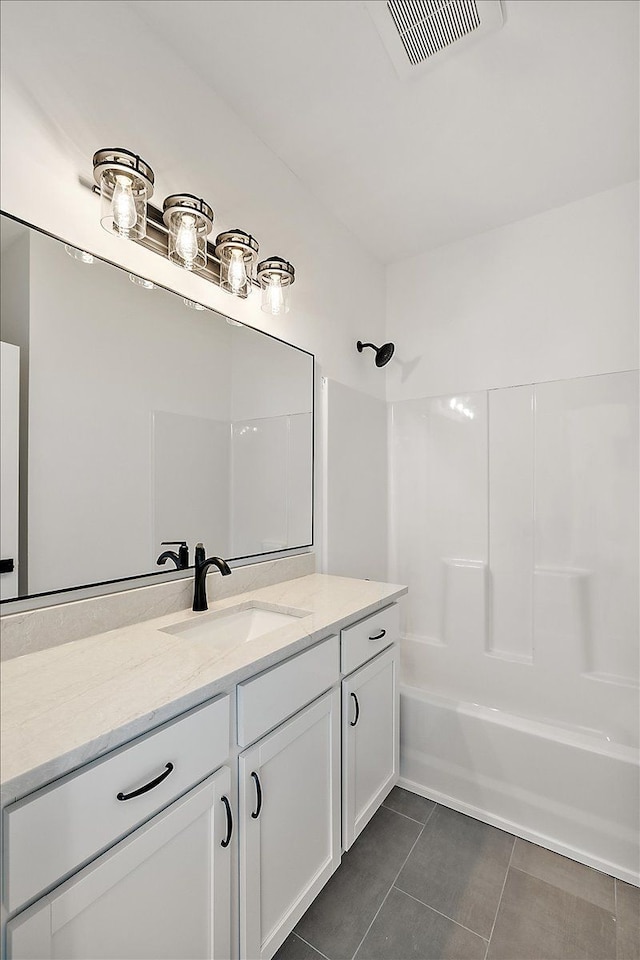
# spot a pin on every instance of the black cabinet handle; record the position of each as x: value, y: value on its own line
x: 379, y: 636
x: 353, y: 722
x: 227, y: 807
x: 7, y: 566
x: 256, y: 812
x: 148, y: 786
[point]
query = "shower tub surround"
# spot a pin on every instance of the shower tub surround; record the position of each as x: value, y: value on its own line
x: 514, y: 521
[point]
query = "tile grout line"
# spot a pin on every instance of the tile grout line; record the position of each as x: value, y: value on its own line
x: 506, y: 874
x: 394, y: 879
x: 440, y: 914
x: 319, y: 952
x: 422, y: 823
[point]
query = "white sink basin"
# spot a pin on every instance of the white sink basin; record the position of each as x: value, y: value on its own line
x: 236, y: 625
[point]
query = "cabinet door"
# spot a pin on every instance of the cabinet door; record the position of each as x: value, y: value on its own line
x: 163, y: 892
x: 370, y: 741
x: 289, y: 824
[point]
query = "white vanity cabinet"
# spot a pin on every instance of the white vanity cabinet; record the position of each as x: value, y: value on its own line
x: 289, y: 797
x: 190, y: 843
x: 370, y: 720
x: 164, y: 892
x: 143, y: 835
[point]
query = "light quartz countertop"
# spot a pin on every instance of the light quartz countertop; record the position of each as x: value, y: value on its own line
x: 69, y: 704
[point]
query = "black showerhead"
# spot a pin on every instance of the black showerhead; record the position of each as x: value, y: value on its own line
x: 383, y: 353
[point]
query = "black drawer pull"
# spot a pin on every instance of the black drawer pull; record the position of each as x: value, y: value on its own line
x: 379, y: 636
x: 227, y: 807
x: 353, y: 722
x: 256, y: 812
x: 7, y: 566
x: 148, y: 786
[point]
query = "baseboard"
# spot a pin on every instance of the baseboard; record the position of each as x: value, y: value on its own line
x: 520, y: 831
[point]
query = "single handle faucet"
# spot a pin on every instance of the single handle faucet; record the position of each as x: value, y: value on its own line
x: 200, y: 583
x: 181, y: 558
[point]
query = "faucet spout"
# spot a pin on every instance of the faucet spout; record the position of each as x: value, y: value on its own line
x: 169, y: 555
x: 200, y: 581
x: 181, y: 558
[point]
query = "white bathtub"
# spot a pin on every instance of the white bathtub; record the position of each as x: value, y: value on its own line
x: 572, y: 792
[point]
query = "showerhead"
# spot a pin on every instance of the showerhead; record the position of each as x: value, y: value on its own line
x: 383, y: 353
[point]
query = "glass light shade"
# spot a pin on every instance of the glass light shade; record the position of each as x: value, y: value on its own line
x: 189, y: 220
x: 275, y: 277
x: 126, y: 184
x: 141, y: 281
x: 237, y: 252
x: 78, y: 254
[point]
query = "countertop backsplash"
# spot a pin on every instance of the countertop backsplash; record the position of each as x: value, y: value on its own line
x: 33, y: 630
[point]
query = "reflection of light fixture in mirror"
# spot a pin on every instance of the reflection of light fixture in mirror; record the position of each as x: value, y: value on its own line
x: 237, y: 252
x: 234, y: 323
x: 126, y: 183
x: 77, y: 254
x: 189, y: 220
x: 141, y: 282
x: 275, y: 277
x: 192, y: 304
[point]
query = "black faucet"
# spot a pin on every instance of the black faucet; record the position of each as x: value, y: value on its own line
x: 200, y: 585
x: 181, y: 558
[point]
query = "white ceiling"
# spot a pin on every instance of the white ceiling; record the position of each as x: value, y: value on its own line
x: 539, y: 114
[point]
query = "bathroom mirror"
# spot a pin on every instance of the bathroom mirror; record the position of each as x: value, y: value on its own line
x: 140, y: 420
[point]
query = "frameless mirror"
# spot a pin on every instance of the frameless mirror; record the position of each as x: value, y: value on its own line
x: 136, y: 421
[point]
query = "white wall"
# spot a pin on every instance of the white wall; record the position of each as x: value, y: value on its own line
x: 107, y: 80
x: 354, y: 473
x: 549, y: 297
x: 63, y: 100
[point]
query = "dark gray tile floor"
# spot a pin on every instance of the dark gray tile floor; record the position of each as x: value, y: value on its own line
x: 423, y: 882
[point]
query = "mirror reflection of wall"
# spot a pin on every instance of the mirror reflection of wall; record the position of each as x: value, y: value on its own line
x: 143, y: 421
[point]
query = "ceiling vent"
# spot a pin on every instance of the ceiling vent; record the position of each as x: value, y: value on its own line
x: 417, y: 34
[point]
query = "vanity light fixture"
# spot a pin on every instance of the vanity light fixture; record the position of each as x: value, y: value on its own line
x: 275, y: 277
x: 190, y: 221
x: 76, y: 254
x: 237, y: 252
x: 126, y: 184
x: 179, y: 231
x: 192, y: 304
x: 141, y: 282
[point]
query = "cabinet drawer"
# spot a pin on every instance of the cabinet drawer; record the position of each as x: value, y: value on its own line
x: 267, y: 700
x: 366, y: 638
x: 50, y: 833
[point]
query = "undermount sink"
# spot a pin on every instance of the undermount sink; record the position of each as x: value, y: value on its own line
x: 236, y: 625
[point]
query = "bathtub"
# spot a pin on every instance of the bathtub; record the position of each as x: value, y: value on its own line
x: 572, y: 792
